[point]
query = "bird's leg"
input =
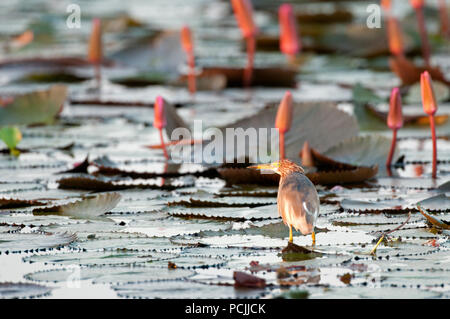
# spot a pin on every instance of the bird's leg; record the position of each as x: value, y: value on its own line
x: 313, y: 236
x: 291, y: 237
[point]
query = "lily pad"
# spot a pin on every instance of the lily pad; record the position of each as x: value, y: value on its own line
x: 18, y: 242
x: 183, y: 290
x: 34, y: 108
x: 88, y: 207
x: 9, y: 290
x: 112, y: 275
x: 100, y: 258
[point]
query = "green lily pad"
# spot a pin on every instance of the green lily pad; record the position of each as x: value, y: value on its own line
x: 11, y: 135
x: 34, y: 108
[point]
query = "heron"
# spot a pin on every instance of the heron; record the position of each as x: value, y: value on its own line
x: 297, y: 200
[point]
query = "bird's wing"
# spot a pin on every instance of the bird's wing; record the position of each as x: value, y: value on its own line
x: 298, y: 202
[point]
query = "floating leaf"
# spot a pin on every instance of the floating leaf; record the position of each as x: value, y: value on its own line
x: 9, y: 290
x: 100, y: 258
x: 112, y: 275
x: 414, y: 96
x: 124, y: 242
x: 242, y: 279
x: 88, y: 207
x: 366, y: 151
x: 439, y: 202
x: 161, y: 52
x: 371, y: 292
x: 191, y: 202
x: 265, y: 77
x: 246, y: 213
x: 17, y: 203
x: 39, y: 107
x: 311, y: 122
x: 20, y: 242
x: 102, y: 184
x: 410, y: 74
x: 11, y: 135
x: 182, y: 289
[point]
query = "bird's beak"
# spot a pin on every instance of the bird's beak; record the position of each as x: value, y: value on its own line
x: 261, y: 166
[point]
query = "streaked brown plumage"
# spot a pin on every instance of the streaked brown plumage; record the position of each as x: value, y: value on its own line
x: 298, y: 202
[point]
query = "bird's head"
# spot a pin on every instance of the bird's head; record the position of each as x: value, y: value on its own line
x: 282, y: 167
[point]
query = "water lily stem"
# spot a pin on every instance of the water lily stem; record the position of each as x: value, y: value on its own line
x: 161, y: 137
x: 376, y: 246
x: 392, y: 150
x: 98, y: 75
x: 444, y: 18
x: 191, y: 75
x: 388, y: 232
x: 250, y: 57
x: 291, y: 58
x: 423, y: 35
x: 433, y: 137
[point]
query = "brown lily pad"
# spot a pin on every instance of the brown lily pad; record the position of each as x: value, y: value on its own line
x: 18, y: 203
x: 266, y: 77
x: 205, y: 81
x: 235, y: 176
x: 109, y: 168
x: 241, y: 279
x: 409, y: 73
x: 207, y: 203
x: 335, y: 16
x: 293, y: 252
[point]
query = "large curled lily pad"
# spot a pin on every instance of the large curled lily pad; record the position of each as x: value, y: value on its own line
x: 34, y: 108
x: 367, y: 150
x: 439, y: 202
x: 322, y: 125
x: 88, y: 207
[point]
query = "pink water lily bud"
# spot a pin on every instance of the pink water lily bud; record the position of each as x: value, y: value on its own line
x: 428, y: 99
x: 283, y: 120
x: 243, y: 12
x: 395, y: 37
x: 395, y: 116
x: 95, y: 42
x: 386, y: 4
x: 159, y: 121
x: 416, y: 4
x: 186, y: 39
x: 289, y: 41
